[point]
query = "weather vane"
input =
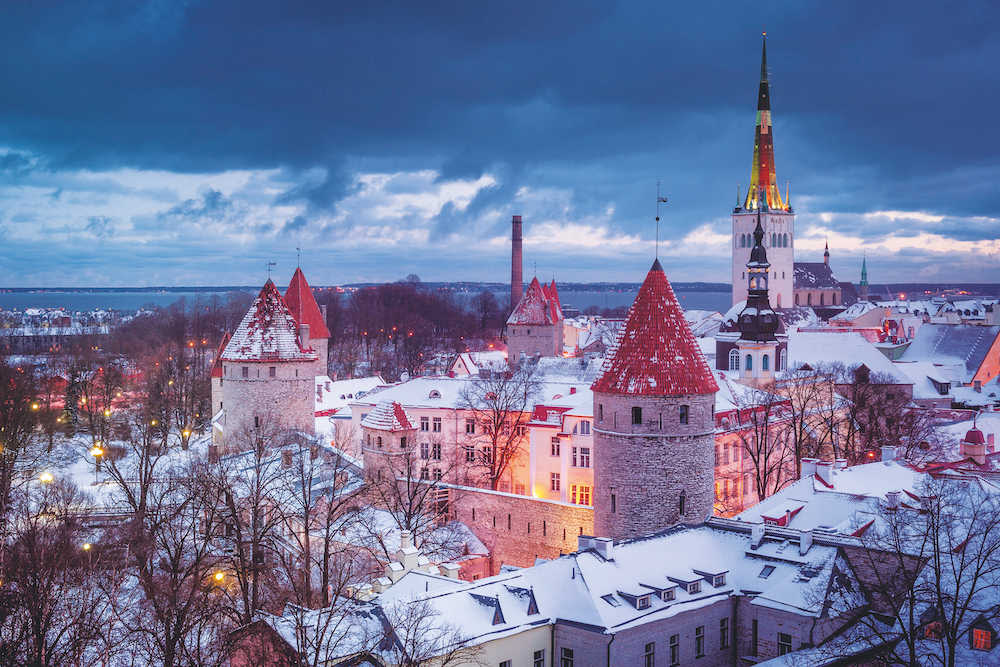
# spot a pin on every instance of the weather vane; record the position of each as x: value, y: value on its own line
x: 269, y: 265
x: 298, y: 256
x: 659, y: 200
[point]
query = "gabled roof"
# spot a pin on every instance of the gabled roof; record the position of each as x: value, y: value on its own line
x: 538, y: 306
x: 217, y: 361
x: 815, y: 275
x: 268, y: 332
x: 967, y: 344
x: 388, y: 416
x: 656, y: 353
x: 303, y: 307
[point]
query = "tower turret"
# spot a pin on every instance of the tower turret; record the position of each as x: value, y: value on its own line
x: 654, y: 421
x: 826, y: 253
x: 863, y: 285
x: 757, y: 322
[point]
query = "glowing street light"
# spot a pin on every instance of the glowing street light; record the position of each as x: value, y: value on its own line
x: 45, y: 477
x: 219, y: 576
x: 107, y: 412
x: 86, y: 546
x: 97, y: 453
x: 34, y: 406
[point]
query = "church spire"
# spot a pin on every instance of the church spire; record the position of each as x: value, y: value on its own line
x: 762, y: 174
x: 758, y: 321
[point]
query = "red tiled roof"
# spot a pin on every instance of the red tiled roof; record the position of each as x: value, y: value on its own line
x: 539, y: 305
x: 303, y: 307
x: 974, y: 437
x: 268, y: 332
x: 217, y: 362
x: 656, y: 353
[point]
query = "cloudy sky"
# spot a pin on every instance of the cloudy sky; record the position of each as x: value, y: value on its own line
x: 189, y: 143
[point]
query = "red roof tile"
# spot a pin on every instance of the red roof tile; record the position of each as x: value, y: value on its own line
x: 539, y: 305
x: 388, y: 416
x: 303, y: 307
x: 656, y: 353
x: 217, y: 362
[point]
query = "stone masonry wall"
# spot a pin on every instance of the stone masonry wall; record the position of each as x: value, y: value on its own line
x: 643, y: 469
x: 519, y: 529
x: 533, y: 339
x: 286, y: 400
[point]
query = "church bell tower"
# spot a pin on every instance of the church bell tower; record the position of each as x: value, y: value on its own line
x: 763, y: 197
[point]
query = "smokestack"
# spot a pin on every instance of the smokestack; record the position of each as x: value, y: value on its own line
x: 516, y: 288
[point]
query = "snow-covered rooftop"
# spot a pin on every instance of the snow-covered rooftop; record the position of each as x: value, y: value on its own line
x: 268, y: 332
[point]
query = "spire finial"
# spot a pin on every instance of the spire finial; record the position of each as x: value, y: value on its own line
x: 659, y: 200
x: 298, y: 257
x: 269, y: 265
x: 763, y: 56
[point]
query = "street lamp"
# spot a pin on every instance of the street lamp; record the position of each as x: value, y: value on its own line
x: 86, y: 546
x: 97, y: 453
x: 45, y: 477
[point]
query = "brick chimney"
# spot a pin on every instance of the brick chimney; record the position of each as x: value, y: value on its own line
x: 516, y: 287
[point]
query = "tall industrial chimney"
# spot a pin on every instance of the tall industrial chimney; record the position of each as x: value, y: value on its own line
x: 515, y: 261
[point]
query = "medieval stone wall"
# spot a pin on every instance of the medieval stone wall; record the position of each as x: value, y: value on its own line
x: 286, y: 400
x: 642, y: 470
x: 533, y: 339
x: 519, y: 529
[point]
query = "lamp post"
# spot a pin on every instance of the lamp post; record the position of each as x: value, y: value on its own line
x: 97, y: 453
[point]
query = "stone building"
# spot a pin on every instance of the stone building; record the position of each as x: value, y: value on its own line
x: 653, y: 421
x: 268, y: 372
x: 816, y: 286
x: 535, y: 327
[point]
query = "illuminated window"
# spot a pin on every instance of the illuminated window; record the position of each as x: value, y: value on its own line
x: 982, y: 640
x: 554, y: 481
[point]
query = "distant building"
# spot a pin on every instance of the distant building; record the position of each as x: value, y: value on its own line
x: 815, y: 284
x: 535, y: 327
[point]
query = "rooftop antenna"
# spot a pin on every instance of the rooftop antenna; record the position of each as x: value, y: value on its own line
x: 659, y: 200
x: 269, y: 265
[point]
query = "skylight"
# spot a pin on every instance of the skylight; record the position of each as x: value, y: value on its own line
x: 611, y: 600
x: 766, y: 572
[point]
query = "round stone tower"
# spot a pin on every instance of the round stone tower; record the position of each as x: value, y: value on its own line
x: 654, y: 431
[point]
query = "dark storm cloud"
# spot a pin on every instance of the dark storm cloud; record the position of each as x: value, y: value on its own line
x: 877, y: 106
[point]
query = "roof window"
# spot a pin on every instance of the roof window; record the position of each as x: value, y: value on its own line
x: 766, y: 571
x: 611, y: 600
x: 434, y: 394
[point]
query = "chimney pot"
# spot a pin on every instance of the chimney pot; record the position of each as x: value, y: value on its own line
x: 892, y: 499
x: 805, y: 542
x: 808, y: 468
x: 824, y: 469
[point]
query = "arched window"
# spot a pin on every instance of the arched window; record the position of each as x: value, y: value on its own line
x: 822, y: 299
x: 785, y: 244
x: 765, y: 363
x: 796, y: 299
x: 834, y: 299
x: 743, y: 241
x: 748, y: 364
x: 681, y: 503
x: 809, y: 299
x: 782, y: 360
x: 779, y: 299
x: 734, y: 359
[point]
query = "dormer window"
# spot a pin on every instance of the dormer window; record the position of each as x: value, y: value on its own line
x: 719, y: 580
x: 694, y: 587
x: 667, y: 595
x: 642, y: 602
x: 434, y: 394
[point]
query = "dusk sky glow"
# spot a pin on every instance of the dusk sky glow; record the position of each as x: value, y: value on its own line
x: 170, y: 143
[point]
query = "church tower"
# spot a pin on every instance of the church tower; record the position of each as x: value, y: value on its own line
x: 758, y: 347
x: 763, y: 195
x: 863, y: 285
x: 654, y: 422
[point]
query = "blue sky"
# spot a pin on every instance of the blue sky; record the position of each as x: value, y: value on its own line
x: 190, y: 143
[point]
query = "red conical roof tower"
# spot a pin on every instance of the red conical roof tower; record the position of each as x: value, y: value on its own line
x: 303, y: 307
x: 268, y: 332
x: 657, y: 354
x: 217, y: 362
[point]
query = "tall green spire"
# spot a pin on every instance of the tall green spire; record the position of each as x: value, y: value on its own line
x: 864, y: 270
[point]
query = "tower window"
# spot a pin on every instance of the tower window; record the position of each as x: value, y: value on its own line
x: 600, y: 412
x: 684, y: 414
x: 272, y: 371
x: 636, y: 415
x: 681, y: 503
x: 734, y: 359
x: 782, y: 360
x: 748, y: 365
x: 765, y: 364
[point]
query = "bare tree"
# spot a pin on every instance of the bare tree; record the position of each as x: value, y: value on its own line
x: 420, y: 635
x: 499, y: 405
x: 53, y: 607
x: 18, y: 421
x: 931, y: 567
x: 766, y: 439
